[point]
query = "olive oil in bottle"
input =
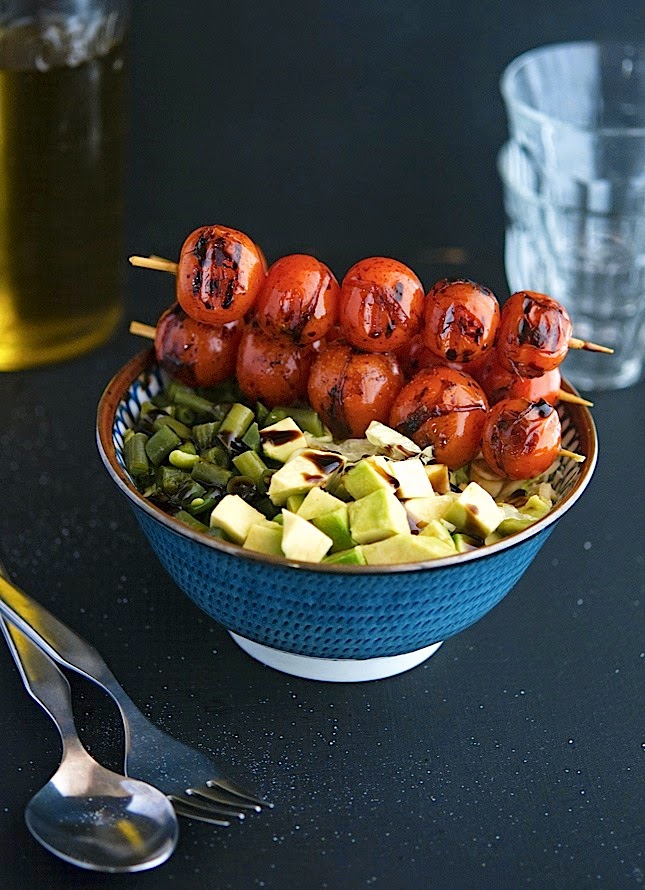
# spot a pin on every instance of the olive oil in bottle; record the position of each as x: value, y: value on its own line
x: 62, y: 123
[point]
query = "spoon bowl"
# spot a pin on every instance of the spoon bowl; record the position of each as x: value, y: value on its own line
x: 87, y: 814
x: 114, y: 825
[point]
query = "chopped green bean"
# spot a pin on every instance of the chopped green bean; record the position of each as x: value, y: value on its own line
x: 251, y: 437
x: 188, y: 398
x: 159, y: 446
x: 210, y: 474
x: 274, y: 415
x: 184, y: 414
x: 236, y: 423
x: 171, y: 479
x: 175, y: 425
x: 190, y: 521
x: 205, y: 435
x: 250, y: 464
x: 261, y: 412
x: 216, y: 455
x: 307, y: 420
x: 134, y: 453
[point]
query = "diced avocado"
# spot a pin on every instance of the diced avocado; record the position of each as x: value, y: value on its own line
x: 423, y: 510
x: 235, y: 517
x: 515, y: 520
x: 316, y: 503
x: 336, y: 525
x: 265, y: 538
x: 390, y: 442
x: 464, y: 543
x: 438, y: 477
x: 413, y: 481
x: 536, y: 507
x: 282, y: 439
x: 368, y: 475
x: 295, y: 502
x: 352, y: 557
x: 303, y: 471
x: 436, y: 529
x: 405, y: 548
x: 474, y: 512
x: 303, y: 541
x: 376, y: 516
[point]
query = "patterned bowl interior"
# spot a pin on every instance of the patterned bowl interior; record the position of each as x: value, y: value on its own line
x: 331, y: 611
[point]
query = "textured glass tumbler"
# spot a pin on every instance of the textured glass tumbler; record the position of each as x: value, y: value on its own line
x: 62, y: 135
x: 574, y: 190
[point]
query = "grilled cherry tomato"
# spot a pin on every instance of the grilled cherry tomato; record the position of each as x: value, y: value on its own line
x: 443, y: 408
x: 498, y: 384
x: 381, y: 303
x: 272, y: 369
x: 533, y: 334
x: 299, y: 297
x: 349, y: 388
x: 219, y: 274
x: 521, y: 439
x: 195, y: 353
x: 460, y: 319
x: 416, y: 356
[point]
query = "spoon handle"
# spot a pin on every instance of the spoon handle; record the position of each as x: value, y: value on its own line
x: 42, y: 679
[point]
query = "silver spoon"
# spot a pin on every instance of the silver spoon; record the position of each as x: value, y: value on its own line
x: 86, y: 814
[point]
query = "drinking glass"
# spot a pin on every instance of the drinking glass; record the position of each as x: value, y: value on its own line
x: 573, y: 173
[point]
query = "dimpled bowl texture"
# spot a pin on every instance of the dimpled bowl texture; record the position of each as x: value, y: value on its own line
x: 332, y: 612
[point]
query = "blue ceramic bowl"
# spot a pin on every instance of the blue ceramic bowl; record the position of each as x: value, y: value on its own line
x: 332, y: 622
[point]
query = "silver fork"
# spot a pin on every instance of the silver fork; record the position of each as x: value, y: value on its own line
x: 196, y: 787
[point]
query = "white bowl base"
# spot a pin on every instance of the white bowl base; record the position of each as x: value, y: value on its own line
x: 334, y: 670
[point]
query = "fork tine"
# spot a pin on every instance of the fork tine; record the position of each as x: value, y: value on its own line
x: 237, y: 791
x: 207, y: 806
x: 212, y: 794
x: 191, y: 810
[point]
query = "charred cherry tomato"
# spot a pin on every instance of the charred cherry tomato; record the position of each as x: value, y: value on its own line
x: 443, y: 408
x: 272, y: 369
x: 460, y: 319
x: 195, y: 353
x: 521, y: 439
x: 498, y: 384
x: 381, y: 303
x: 219, y: 274
x: 349, y: 388
x: 416, y: 356
x: 533, y: 335
x: 299, y: 297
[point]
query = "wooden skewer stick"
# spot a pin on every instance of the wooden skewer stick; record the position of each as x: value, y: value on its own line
x: 565, y: 396
x: 575, y: 343
x: 161, y: 264
x: 578, y: 458
x: 155, y: 262
x: 142, y: 330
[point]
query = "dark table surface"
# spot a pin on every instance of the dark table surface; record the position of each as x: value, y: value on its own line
x: 513, y: 757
